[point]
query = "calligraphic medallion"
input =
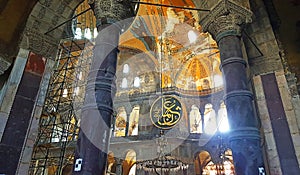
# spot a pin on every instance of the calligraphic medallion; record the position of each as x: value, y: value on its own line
x: 166, y: 112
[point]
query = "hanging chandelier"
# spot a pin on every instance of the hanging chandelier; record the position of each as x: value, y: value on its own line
x: 163, y: 163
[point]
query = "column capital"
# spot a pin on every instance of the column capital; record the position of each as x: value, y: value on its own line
x: 226, y: 18
x: 111, y: 11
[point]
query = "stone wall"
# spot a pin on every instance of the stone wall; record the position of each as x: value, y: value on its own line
x: 264, y: 57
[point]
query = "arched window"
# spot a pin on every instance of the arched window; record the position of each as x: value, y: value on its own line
x: 129, y: 167
x: 225, y: 167
x: 223, y: 119
x: 134, y: 121
x: 78, y: 33
x: 120, y: 123
x: 195, y: 120
x: 87, y: 33
x: 124, y: 83
x: 210, y: 122
x: 218, y: 80
x: 136, y: 82
x: 126, y: 69
x: 201, y: 160
x: 205, y: 166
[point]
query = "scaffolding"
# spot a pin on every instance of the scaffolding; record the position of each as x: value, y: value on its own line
x: 59, y: 122
x: 54, y: 147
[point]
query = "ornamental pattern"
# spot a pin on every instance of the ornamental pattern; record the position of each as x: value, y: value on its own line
x: 226, y: 17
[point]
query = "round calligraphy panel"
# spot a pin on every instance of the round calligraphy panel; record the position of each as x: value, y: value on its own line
x: 166, y: 112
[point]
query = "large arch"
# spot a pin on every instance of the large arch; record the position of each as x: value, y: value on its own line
x: 46, y: 26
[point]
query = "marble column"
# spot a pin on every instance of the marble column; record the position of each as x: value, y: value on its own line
x: 96, y: 118
x: 225, y: 22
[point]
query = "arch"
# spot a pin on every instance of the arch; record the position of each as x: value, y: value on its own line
x: 195, y: 120
x: 134, y: 121
x: 136, y: 82
x: 126, y: 69
x: 124, y: 83
x: 205, y: 166
x: 44, y: 17
x: 120, y: 122
x: 191, y: 74
x: 210, y: 121
x: 142, y: 71
x: 128, y: 166
x: 225, y: 167
x: 201, y: 160
x: 223, y: 124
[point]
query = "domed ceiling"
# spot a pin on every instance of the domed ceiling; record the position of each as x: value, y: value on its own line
x: 165, y: 48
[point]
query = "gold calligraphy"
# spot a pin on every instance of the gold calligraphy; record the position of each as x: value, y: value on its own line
x: 166, y: 112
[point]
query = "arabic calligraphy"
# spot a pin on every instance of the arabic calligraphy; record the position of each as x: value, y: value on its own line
x: 166, y: 112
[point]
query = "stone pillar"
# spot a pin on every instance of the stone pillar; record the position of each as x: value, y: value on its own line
x: 9, y: 90
x: 33, y: 127
x: 225, y: 23
x: 20, y: 115
x: 95, y: 126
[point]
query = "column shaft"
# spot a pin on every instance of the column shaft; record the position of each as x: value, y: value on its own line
x: 96, y: 119
x: 244, y: 137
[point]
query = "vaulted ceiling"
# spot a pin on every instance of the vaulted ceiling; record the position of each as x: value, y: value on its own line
x: 14, y: 15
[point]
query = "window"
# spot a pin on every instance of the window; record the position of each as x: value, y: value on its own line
x: 129, y: 167
x: 124, y: 83
x: 120, y: 123
x: 223, y: 119
x: 210, y: 122
x: 134, y: 121
x: 195, y: 120
x: 126, y: 69
x: 136, y: 82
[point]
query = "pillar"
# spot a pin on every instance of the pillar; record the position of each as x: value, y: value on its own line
x: 27, y: 73
x: 96, y: 118
x: 225, y: 22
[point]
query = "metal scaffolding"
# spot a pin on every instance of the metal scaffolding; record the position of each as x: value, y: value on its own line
x: 59, y: 122
x: 54, y: 147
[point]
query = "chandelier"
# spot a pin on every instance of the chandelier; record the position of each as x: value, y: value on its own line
x: 163, y: 163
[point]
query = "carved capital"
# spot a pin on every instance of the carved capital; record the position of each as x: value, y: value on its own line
x: 39, y: 43
x: 110, y: 11
x: 226, y: 18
